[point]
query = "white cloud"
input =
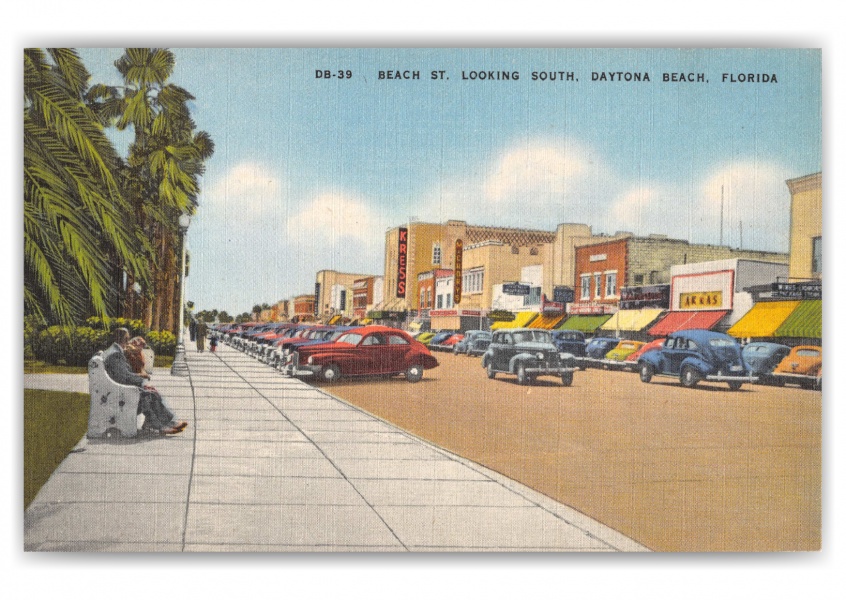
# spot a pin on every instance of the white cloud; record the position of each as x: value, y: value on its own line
x: 249, y: 190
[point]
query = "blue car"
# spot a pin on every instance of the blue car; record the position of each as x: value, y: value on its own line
x: 695, y: 355
x: 463, y: 345
x: 763, y: 357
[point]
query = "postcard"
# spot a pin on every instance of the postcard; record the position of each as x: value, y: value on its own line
x: 422, y: 300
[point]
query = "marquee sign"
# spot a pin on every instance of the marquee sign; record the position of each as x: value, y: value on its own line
x: 402, y: 262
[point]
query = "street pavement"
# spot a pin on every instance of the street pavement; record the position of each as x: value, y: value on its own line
x: 272, y: 464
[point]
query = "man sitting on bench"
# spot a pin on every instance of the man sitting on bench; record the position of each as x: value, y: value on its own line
x: 157, y: 415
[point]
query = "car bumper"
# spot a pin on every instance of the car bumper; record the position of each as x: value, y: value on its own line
x: 740, y: 378
x: 550, y: 370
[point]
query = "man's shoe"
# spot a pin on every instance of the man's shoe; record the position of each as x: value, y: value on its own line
x: 181, y: 425
x: 170, y: 431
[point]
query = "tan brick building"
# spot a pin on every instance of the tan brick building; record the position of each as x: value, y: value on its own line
x: 333, y: 292
x: 806, y: 227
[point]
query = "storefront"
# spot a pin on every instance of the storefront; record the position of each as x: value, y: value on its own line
x: 457, y: 319
x: 632, y: 324
x: 587, y: 324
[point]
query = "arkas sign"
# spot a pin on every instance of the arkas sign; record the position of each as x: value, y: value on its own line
x: 402, y: 262
x: 701, y: 300
x: 457, y: 276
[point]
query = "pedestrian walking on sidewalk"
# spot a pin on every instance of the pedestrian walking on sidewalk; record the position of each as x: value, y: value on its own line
x: 202, y: 330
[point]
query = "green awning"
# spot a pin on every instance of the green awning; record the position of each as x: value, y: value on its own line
x: 584, y: 323
x: 804, y: 322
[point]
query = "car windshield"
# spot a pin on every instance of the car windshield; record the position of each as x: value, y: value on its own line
x: 350, y: 338
x: 521, y: 337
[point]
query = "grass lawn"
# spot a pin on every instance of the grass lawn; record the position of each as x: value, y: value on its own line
x: 53, y: 424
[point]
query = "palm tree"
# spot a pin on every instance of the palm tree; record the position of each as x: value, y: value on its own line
x: 79, y: 236
x: 165, y: 162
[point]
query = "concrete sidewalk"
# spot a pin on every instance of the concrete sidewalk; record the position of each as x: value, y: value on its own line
x: 271, y: 464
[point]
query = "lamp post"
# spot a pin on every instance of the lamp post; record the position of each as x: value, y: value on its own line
x: 180, y: 365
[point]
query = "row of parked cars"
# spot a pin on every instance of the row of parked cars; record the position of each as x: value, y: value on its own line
x: 329, y: 353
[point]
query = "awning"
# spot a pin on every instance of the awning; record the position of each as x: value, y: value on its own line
x: 521, y: 320
x: 804, y: 322
x: 686, y: 319
x: 584, y: 323
x: 763, y: 319
x: 546, y: 321
x: 632, y: 319
x: 334, y: 319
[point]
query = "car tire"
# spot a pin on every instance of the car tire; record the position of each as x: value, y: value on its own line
x: 689, y: 377
x: 735, y: 385
x: 647, y: 371
x: 567, y: 379
x: 414, y: 373
x: 331, y: 373
x: 523, y: 378
x: 491, y: 372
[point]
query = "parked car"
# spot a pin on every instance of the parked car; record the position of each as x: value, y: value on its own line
x: 596, y: 349
x: 447, y: 344
x: 763, y: 357
x: 371, y: 350
x: 528, y: 354
x: 425, y: 337
x: 570, y: 341
x: 621, y: 351
x: 463, y: 344
x: 694, y: 355
x: 803, y: 366
x: 631, y: 359
x: 480, y: 344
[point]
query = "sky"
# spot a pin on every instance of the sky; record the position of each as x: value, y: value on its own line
x: 310, y: 172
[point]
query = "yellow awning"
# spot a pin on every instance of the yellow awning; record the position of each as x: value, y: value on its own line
x: 546, y: 321
x: 631, y: 319
x: 521, y: 320
x: 334, y: 319
x: 763, y: 319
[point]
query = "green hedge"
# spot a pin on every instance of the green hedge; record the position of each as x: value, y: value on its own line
x: 74, y: 346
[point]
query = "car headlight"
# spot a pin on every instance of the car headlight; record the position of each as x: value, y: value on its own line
x: 562, y: 355
x: 540, y: 355
x: 310, y: 360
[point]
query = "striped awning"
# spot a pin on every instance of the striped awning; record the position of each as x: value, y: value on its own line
x: 334, y: 319
x: 584, y: 323
x: 804, y: 322
x: 763, y: 319
x: 632, y: 319
x: 686, y: 319
x: 521, y: 320
x: 546, y: 321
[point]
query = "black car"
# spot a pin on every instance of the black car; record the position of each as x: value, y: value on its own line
x: 528, y: 354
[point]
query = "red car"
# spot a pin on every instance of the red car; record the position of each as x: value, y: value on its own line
x: 371, y: 350
x: 630, y: 362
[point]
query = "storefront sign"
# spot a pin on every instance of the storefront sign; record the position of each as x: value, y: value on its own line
x: 455, y: 312
x: 515, y: 289
x: 456, y: 280
x: 805, y: 290
x: 548, y: 307
x: 563, y: 294
x: 316, y: 298
x: 646, y: 296
x: 590, y: 308
x: 701, y: 300
x: 598, y: 257
x: 402, y: 262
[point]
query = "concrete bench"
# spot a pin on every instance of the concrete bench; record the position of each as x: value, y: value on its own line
x: 113, y: 405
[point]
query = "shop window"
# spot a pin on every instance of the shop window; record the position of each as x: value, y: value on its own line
x: 422, y: 298
x: 534, y: 297
x: 597, y: 285
x: 440, y: 300
x: 585, y: 287
x: 533, y: 252
x: 449, y: 300
x: 816, y: 256
x: 638, y: 279
x: 436, y: 253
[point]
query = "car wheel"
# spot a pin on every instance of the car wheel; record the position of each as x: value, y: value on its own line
x: 414, y: 373
x: 491, y: 372
x: 523, y: 377
x: 331, y: 373
x: 646, y: 372
x: 689, y: 377
x: 735, y: 385
x: 567, y: 379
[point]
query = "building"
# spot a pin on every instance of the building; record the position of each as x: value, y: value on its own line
x: 303, y: 308
x: 367, y: 293
x: 333, y: 292
x: 806, y: 227
x: 604, y: 268
x: 491, y: 256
